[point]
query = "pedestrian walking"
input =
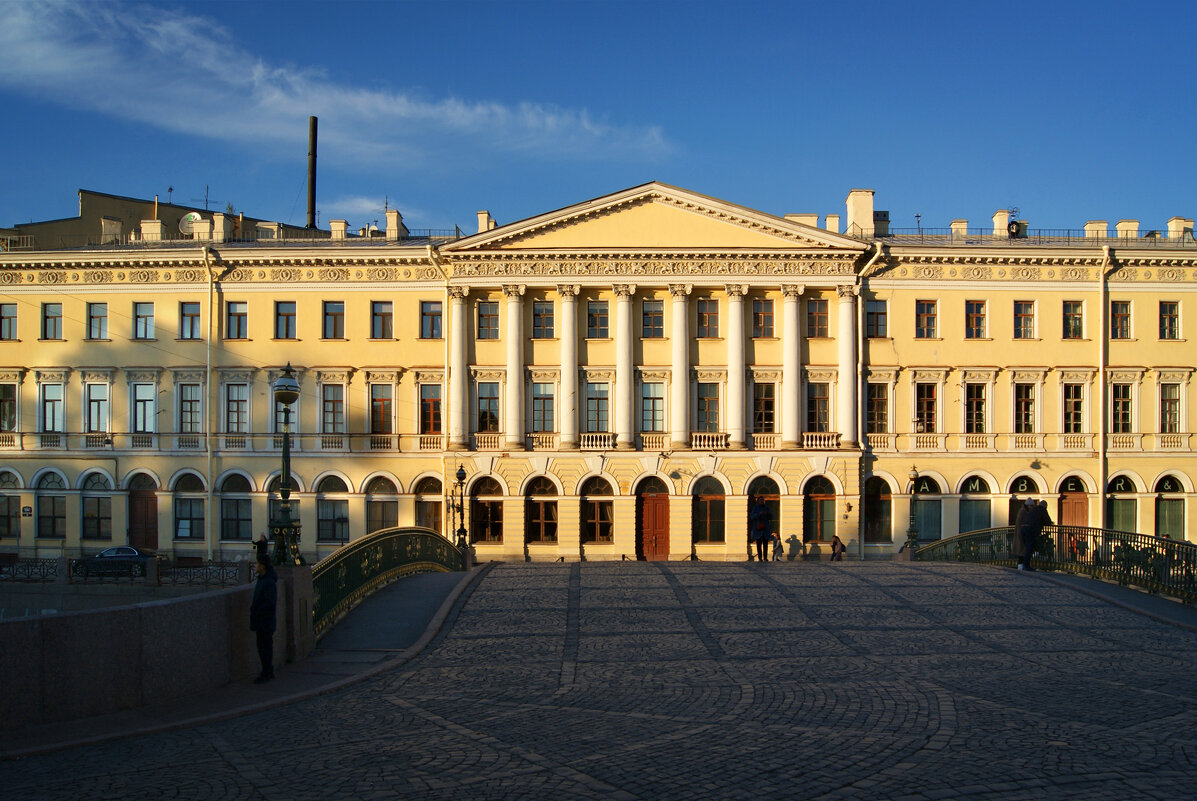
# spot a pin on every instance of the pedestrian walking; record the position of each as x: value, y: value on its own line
x: 263, y: 617
x: 1022, y: 534
x: 837, y: 549
x: 759, y: 528
x: 777, y: 547
x: 1040, y: 519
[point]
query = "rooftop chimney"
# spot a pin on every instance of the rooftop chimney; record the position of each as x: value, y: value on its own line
x: 832, y: 223
x: 484, y: 222
x: 1097, y: 229
x: 396, y: 230
x: 804, y: 219
x: 1127, y: 229
x: 311, y: 172
x: 1001, y: 224
x: 860, y: 212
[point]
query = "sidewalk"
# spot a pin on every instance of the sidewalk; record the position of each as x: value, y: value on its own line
x: 374, y: 637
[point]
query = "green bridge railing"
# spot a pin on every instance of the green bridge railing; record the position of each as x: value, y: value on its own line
x: 1157, y: 564
x: 344, y: 579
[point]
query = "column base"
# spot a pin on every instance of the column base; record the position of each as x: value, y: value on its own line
x: 457, y: 446
x: 789, y: 446
x: 514, y: 445
x: 625, y: 446
x: 567, y: 446
x: 679, y: 445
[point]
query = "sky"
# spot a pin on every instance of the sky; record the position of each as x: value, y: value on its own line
x: 1068, y: 111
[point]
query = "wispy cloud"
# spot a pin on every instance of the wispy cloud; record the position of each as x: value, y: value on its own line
x: 187, y: 73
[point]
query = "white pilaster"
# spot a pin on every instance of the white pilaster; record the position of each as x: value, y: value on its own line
x: 735, y: 365
x: 459, y: 389
x: 514, y: 411
x: 625, y: 428
x: 679, y: 414
x: 791, y: 345
x: 569, y: 365
x: 846, y: 384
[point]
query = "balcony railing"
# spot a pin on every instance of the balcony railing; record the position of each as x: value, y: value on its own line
x: 432, y: 442
x: 820, y: 440
x: 1172, y: 442
x: 978, y: 442
x: 882, y: 442
x: 1076, y: 442
x: 1125, y: 442
x: 653, y: 441
x: 1027, y: 442
x: 597, y: 441
x: 765, y: 441
x: 708, y: 440
x: 488, y: 440
x: 542, y: 441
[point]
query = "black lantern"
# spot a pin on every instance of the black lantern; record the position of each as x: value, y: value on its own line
x: 284, y: 528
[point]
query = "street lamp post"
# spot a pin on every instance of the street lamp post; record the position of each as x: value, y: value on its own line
x: 459, y: 491
x: 912, y: 531
x: 284, y: 528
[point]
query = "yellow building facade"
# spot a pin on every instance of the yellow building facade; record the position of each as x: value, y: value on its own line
x: 615, y: 379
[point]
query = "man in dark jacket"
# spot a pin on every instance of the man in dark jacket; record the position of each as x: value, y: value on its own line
x: 262, y: 619
x: 1024, y: 539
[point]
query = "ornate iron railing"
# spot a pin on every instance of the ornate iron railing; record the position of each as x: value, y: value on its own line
x: 29, y: 570
x: 1157, y: 564
x: 208, y: 574
x: 345, y: 578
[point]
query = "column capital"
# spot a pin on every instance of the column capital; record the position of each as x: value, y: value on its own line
x: 847, y: 290
x: 458, y: 292
x: 792, y: 290
x: 624, y: 290
x: 680, y: 290
x: 736, y: 290
x: 569, y: 291
x: 513, y: 290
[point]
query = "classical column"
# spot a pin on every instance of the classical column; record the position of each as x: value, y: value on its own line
x: 735, y: 364
x: 679, y: 414
x: 847, y: 412
x: 514, y: 413
x: 625, y: 384
x: 791, y: 345
x: 569, y: 365
x: 459, y: 387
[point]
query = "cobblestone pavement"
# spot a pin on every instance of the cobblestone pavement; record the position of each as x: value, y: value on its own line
x: 713, y: 681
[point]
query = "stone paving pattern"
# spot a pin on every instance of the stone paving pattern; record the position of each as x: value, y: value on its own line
x: 690, y: 680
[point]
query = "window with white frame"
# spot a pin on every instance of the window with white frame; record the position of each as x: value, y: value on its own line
x: 488, y: 407
x: 382, y: 409
x: 143, y: 320
x: 1169, y: 408
x: 975, y: 411
x: 191, y: 408
x: 877, y: 408
x: 51, y: 413
x: 1122, y: 418
x: 332, y: 408
x: 95, y: 401
x: 652, y: 407
x: 707, y: 397
x: 597, y: 398
x: 145, y: 408
x: 542, y: 407
x: 818, y: 407
x: 8, y: 407
x: 1074, y: 408
x: 236, y: 408
x: 1024, y: 408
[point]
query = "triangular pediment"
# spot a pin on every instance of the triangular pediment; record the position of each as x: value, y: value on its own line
x: 654, y: 216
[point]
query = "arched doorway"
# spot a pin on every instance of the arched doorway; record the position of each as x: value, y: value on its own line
x: 1023, y: 485
x: 878, y: 523
x: 766, y: 490
x: 652, y: 520
x: 382, y: 504
x: 1073, y: 508
x: 707, y: 523
x: 1122, y: 505
x: 143, y: 512
x: 486, y: 511
x: 818, y: 511
x: 928, y: 508
x: 975, y: 507
x: 597, y: 511
x: 1169, y: 508
x: 540, y: 517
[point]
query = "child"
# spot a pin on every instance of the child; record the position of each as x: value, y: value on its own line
x: 777, y: 549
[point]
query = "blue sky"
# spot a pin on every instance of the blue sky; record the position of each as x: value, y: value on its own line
x: 1069, y: 111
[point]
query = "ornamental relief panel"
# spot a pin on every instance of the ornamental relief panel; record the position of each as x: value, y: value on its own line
x: 95, y: 376
x: 1077, y: 376
x: 765, y: 375
x: 143, y: 376
x: 543, y: 375
x: 1023, y: 376
x: 929, y: 375
x: 189, y: 376
x: 823, y: 267
x: 820, y: 374
x: 12, y: 375
x: 973, y: 376
x: 488, y: 374
x: 596, y: 375
x: 429, y: 376
x: 654, y: 375
x: 1125, y: 376
x: 55, y: 375
x: 237, y: 376
x: 1174, y: 376
x: 710, y: 373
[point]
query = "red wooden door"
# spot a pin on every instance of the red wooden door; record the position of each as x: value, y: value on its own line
x: 652, y: 539
x: 1074, y: 509
x: 143, y: 519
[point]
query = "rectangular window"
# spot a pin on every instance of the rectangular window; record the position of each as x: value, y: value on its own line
x: 191, y: 409
x: 596, y: 407
x: 1169, y: 319
x: 1120, y: 319
x: 1074, y: 319
x: 488, y: 406
x: 924, y: 408
x: 97, y: 408
x: 924, y: 319
x: 708, y: 407
x: 1169, y: 408
x: 542, y: 319
x: 876, y: 325
x: 236, y: 519
x: 97, y: 321
x: 52, y: 411
x: 488, y: 319
x: 1074, y: 408
x: 143, y: 320
x: 708, y: 318
x: 1024, y: 408
x: 763, y: 408
x: 974, y: 409
x: 97, y: 518
x: 8, y: 321
x: 974, y: 319
x: 816, y: 318
x: 762, y: 318
x: 1121, y: 420
x: 8, y: 407
x: 596, y: 319
x: 381, y: 409
x: 332, y: 520
x: 10, y: 516
x: 430, y: 319
x: 332, y: 408
x: 51, y: 516
x: 430, y: 408
x: 145, y: 408
x: 652, y: 408
x: 542, y: 407
x: 652, y: 319
x: 189, y: 518
x: 284, y: 319
x: 189, y: 320
x: 877, y: 409
x: 385, y: 514
x: 382, y: 320
x: 1024, y: 319
x: 334, y: 319
x: 236, y: 323
x: 818, y: 407
x: 51, y: 321
x: 236, y: 408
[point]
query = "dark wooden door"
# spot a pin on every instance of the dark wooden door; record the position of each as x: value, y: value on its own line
x: 143, y: 519
x: 652, y: 522
x: 1074, y: 509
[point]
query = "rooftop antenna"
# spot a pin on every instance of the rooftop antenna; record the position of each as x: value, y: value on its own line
x: 918, y: 221
x: 170, y: 190
x: 205, y: 199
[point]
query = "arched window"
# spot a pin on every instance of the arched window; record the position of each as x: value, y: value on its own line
x: 51, y: 507
x: 708, y: 516
x: 274, y: 500
x: 428, y: 503
x: 1122, y: 507
x: 10, y: 504
x: 818, y: 510
x: 878, y: 511
x: 142, y: 481
x: 486, y: 511
x: 236, y: 509
x: 975, y: 511
x: 97, y: 507
x: 332, y: 513
x: 189, y: 507
x: 927, y: 508
x: 766, y: 490
x: 541, y: 518
x: 597, y: 510
x: 382, y: 507
x: 1169, y: 508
